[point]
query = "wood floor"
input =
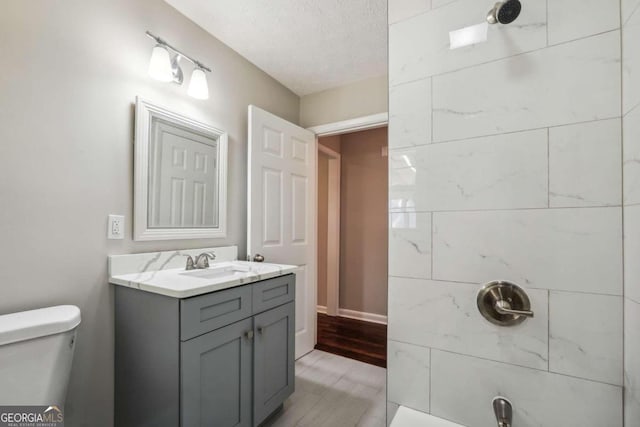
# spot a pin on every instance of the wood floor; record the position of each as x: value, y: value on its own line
x: 355, y: 339
x: 333, y: 391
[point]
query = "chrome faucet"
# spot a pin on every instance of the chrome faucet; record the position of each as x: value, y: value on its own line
x: 503, y: 410
x: 201, y: 261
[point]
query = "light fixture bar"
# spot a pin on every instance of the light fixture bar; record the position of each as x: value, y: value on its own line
x: 187, y: 57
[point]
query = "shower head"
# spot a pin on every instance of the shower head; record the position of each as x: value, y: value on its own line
x: 504, y: 12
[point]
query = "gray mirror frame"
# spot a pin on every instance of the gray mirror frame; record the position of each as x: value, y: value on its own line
x: 145, y: 112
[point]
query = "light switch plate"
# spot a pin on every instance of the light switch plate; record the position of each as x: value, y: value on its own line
x: 115, y: 230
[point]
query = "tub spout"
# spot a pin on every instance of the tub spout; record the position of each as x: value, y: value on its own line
x: 503, y: 410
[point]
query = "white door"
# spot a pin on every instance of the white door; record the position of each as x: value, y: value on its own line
x: 282, y: 208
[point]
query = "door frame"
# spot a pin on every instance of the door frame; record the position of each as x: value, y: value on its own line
x: 352, y: 125
x: 373, y: 121
x: 333, y: 230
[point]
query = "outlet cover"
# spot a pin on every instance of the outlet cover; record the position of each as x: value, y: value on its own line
x: 115, y: 230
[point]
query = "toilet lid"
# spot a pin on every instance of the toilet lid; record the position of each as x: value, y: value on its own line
x: 26, y: 325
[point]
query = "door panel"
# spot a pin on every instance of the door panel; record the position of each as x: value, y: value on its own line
x: 216, y: 378
x: 272, y: 207
x: 282, y: 208
x: 274, y: 359
x: 299, y: 150
x: 299, y: 192
x: 186, y: 164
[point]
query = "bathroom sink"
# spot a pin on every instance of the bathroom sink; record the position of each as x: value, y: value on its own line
x: 175, y: 281
x: 217, y: 271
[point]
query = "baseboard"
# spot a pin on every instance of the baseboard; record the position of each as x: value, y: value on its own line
x: 358, y: 315
x: 361, y: 315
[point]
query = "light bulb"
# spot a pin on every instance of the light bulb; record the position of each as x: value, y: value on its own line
x: 198, y: 87
x: 160, y: 64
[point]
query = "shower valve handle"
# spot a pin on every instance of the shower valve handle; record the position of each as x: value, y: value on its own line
x: 503, y: 307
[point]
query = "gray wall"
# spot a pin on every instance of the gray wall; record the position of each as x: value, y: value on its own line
x: 363, y: 221
x: 350, y: 101
x: 506, y: 164
x: 71, y: 72
x: 631, y: 144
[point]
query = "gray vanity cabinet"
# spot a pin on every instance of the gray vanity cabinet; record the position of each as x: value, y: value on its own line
x: 216, y: 377
x: 223, y: 359
x: 274, y: 359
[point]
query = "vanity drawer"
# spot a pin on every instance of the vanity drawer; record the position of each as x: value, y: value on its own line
x: 202, y: 314
x: 273, y: 292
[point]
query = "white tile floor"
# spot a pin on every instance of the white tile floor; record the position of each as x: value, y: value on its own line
x: 333, y: 391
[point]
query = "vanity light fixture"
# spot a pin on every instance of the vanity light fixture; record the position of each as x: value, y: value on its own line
x: 164, y: 68
x: 160, y: 64
x: 176, y: 71
x: 198, y: 85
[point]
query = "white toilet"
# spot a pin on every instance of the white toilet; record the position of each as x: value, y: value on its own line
x: 36, y: 350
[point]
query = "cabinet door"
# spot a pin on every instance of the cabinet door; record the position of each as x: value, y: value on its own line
x: 216, y: 377
x: 274, y: 359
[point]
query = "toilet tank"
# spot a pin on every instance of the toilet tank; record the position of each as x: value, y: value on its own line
x: 36, y: 351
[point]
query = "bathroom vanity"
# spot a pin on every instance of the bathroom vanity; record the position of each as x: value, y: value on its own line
x: 209, y: 347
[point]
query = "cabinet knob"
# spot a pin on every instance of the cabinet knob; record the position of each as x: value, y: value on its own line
x: 258, y: 258
x: 260, y: 330
x: 248, y: 335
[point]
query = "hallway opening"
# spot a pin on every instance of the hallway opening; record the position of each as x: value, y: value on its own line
x: 353, y: 245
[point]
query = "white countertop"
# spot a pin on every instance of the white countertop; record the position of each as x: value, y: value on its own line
x: 178, y: 283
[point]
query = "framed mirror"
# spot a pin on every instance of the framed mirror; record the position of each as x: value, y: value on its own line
x: 180, y: 176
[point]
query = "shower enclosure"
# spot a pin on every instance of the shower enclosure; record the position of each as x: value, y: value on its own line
x: 507, y: 163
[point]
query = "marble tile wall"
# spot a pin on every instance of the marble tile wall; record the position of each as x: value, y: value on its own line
x: 442, y: 315
x: 570, y: 249
x: 631, y: 58
x: 575, y: 19
x: 631, y: 169
x: 461, y: 175
x: 461, y: 386
x: 548, y: 87
x: 592, y: 152
x: 631, y: 357
x: 505, y: 163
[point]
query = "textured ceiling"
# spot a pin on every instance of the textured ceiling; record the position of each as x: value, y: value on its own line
x: 307, y: 45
